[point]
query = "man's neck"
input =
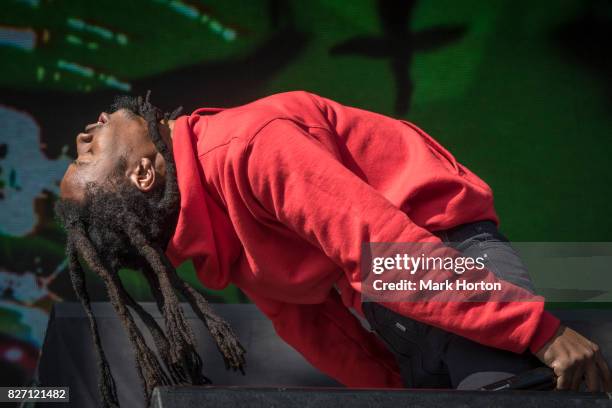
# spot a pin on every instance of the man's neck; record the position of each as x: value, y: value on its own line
x: 171, y: 126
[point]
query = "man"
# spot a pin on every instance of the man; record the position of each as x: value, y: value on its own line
x: 277, y: 197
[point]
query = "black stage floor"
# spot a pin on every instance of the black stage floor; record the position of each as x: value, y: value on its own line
x: 68, y: 360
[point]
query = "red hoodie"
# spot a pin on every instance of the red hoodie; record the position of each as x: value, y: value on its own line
x: 277, y: 197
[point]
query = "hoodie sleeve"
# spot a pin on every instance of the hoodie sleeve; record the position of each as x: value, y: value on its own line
x: 333, y: 341
x: 304, y: 186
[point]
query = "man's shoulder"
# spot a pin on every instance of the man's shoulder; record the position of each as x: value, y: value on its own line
x: 299, y: 106
x: 240, y: 124
x: 290, y: 102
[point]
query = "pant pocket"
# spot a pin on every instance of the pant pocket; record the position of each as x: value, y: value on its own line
x: 417, y: 347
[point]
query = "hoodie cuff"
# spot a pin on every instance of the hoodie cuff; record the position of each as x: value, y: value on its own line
x: 546, y: 330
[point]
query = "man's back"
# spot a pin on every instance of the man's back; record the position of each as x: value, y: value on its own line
x: 395, y: 157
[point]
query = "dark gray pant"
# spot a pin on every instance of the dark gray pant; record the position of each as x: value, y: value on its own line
x: 429, y: 357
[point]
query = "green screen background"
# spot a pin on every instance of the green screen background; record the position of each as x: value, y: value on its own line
x: 518, y: 91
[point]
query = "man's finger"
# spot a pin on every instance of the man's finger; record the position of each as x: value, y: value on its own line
x: 577, y: 379
x: 564, y: 381
x: 591, y: 376
x: 605, y: 372
x: 577, y: 376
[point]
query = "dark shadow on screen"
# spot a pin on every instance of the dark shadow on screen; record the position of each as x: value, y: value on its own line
x: 398, y: 43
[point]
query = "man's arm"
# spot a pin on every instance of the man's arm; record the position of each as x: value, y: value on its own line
x: 305, y: 187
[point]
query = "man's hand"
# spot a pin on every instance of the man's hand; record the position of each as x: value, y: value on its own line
x: 575, y: 359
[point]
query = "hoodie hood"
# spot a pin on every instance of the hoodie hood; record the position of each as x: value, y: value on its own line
x: 203, y: 232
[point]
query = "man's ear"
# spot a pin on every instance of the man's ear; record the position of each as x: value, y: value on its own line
x: 143, y: 175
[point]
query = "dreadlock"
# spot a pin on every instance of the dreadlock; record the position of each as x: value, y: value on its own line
x: 118, y: 226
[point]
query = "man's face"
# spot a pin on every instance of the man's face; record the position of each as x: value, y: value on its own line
x: 100, y: 148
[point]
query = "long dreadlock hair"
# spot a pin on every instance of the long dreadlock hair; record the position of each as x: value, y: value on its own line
x: 118, y: 226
